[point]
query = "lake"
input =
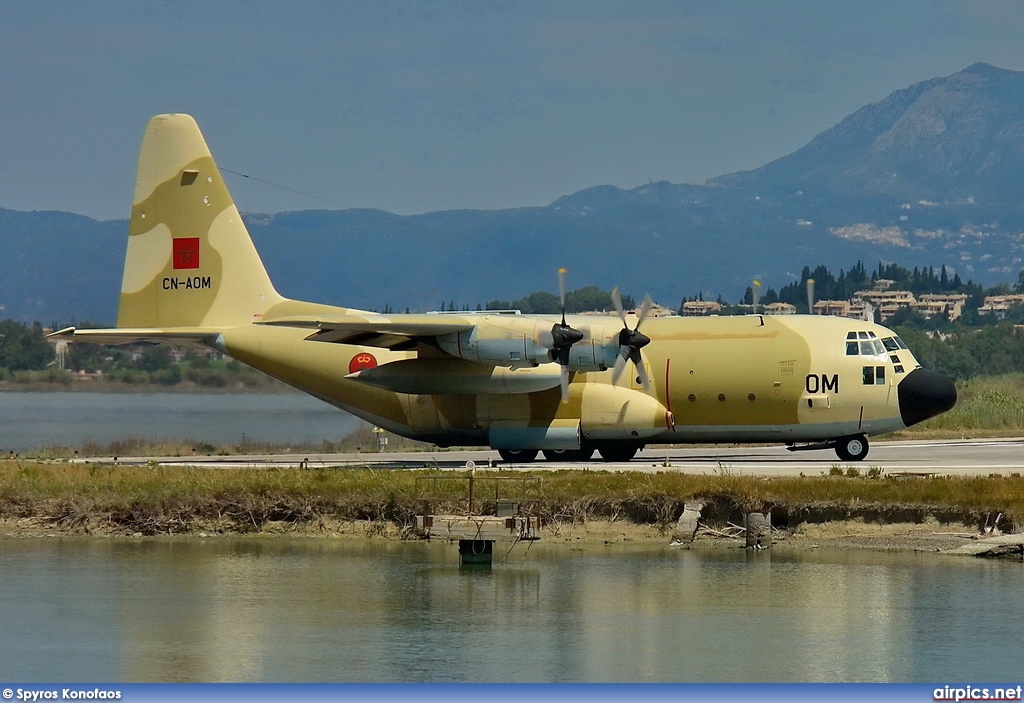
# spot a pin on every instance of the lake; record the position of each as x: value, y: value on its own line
x: 318, y: 609
x: 30, y: 420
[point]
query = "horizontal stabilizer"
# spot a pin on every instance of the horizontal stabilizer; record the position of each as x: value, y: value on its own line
x: 135, y: 335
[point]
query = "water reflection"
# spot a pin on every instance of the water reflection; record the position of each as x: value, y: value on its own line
x: 282, y: 609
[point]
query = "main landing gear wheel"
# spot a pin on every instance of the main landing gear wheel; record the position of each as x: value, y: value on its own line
x: 522, y: 456
x: 567, y: 454
x: 618, y: 452
x: 853, y: 448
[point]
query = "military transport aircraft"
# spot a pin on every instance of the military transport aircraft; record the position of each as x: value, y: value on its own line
x: 517, y: 383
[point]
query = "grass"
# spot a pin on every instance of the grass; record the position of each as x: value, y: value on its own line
x: 165, y: 500
x: 990, y: 406
x: 161, y: 500
x: 363, y: 439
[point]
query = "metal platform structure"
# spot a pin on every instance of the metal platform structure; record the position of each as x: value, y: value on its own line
x: 507, y: 517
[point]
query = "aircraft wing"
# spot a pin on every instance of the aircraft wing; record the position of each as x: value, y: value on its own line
x: 135, y: 335
x: 394, y: 332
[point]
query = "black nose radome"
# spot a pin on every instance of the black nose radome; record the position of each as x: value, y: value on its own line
x: 924, y: 394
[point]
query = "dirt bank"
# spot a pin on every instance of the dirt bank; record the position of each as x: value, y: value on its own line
x: 929, y: 536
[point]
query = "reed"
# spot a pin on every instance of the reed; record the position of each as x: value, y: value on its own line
x: 364, y: 439
x: 162, y: 500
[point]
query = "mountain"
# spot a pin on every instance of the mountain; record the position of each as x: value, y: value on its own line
x: 932, y: 175
x: 60, y: 266
x: 945, y: 140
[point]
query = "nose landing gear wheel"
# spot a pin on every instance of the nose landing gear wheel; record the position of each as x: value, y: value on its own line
x: 853, y: 448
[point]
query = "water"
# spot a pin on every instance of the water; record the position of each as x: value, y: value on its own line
x: 31, y: 420
x: 308, y: 609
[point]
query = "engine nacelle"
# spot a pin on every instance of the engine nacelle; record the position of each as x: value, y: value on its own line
x: 606, y: 413
x: 516, y: 340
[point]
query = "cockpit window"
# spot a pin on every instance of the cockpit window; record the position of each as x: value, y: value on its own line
x: 861, y: 343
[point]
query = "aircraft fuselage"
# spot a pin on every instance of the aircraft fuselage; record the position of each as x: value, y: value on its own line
x: 753, y: 378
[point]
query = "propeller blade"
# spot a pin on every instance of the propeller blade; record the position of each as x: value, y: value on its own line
x: 562, y: 338
x: 620, y: 363
x: 641, y: 372
x: 561, y: 288
x: 617, y: 302
x: 631, y: 341
x: 645, y: 308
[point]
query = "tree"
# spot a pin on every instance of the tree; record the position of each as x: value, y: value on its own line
x: 579, y: 300
x: 24, y: 348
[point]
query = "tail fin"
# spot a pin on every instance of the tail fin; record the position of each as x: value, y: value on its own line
x: 190, y: 261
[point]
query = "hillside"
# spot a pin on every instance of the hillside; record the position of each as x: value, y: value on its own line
x: 928, y: 176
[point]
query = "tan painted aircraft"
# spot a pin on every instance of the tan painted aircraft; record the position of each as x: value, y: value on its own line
x: 517, y: 383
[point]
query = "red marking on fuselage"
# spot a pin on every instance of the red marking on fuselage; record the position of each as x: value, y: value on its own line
x: 668, y: 388
x: 361, y: 362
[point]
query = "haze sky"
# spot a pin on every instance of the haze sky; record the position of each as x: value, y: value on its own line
x: 414, y: 107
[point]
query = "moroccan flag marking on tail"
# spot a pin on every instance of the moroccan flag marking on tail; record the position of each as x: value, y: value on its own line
x: 185, y: 253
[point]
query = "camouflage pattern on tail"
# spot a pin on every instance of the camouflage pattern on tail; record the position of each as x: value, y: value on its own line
x: 190, y: 260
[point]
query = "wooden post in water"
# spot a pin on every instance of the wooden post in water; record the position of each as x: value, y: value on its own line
x: 759, y: 529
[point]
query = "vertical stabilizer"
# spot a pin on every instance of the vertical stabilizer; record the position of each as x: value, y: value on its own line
x: 190, y: 260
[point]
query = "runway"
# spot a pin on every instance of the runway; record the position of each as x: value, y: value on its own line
x: 924, y: 458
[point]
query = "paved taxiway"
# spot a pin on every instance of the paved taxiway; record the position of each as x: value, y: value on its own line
x: 945, y: 457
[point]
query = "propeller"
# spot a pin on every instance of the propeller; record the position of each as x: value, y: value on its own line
x: 631, y: 341
x: 810, y: 296
x: 756, y: 293
x: 562, y: 338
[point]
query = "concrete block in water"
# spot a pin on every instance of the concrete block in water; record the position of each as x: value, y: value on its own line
x: 686, y: 526
x: 759, y: 530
